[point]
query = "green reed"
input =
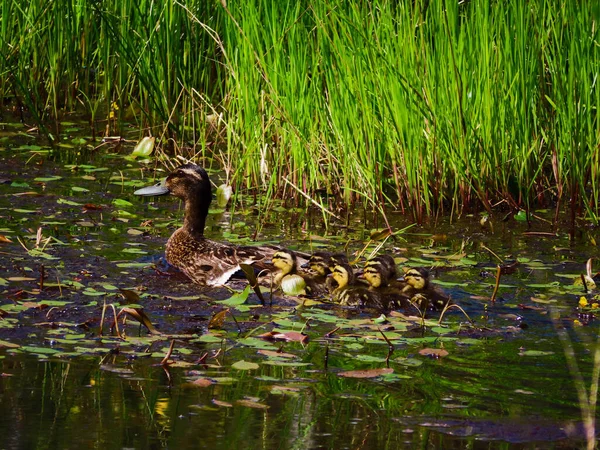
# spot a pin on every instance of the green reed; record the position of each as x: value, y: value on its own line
x: 424, y: 106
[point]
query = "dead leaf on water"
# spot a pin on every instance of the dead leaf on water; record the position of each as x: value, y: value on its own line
x: 218, y: 319
x: 221, y: 403
x: 367, y: 373
x: 130, y: 296
x: 139, y: 315
x: 434, y: 352
x: 276, y: 354
x: 4, y: 239
x: 251, y: 404
x: 293, y: 336
x: 202, y: 382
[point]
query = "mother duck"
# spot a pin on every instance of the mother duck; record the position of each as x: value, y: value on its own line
x: 204, y: 261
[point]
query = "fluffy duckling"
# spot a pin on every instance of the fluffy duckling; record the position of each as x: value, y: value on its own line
x: 419, y: 289
x: 390, y: 290
x: 380, y: 271
x: 322, y: 263
x: 348, y: 293
x: 290, y: 281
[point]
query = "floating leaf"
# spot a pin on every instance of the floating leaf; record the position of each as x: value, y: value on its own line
x: 144, y: 147
x: 521, y: 216
x: 8, y: 344
x: 238, y: 298
x: 46, y: 179
x: 244, y: 365
x: 79, y: 189
x: 25, y: 211
x: 62, y: 201
x: 121, y: 203
x: 434, y: 352
x: 293, y: 285
x: 251, y: 404
x: 293, y: 336
x: 276, y: 354
x: 218, y: 319
x: 368, y: 373
x: 535, y: 353
x: 223, y: 195
x: 221, y: 403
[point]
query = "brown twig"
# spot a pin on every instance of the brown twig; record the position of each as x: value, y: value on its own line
x: 498, y: 274
x: 169, y: 353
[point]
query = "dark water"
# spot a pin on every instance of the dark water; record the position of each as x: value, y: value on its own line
x: 504, y: 384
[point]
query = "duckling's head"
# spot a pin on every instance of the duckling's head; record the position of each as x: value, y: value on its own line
x: 285, y: 261
x: 335, y: 259
x: 319, y: 263
x: 372, y: 273
x: 417, y: 278
x: 343, y: 275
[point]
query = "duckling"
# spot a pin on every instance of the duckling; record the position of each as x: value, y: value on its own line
x: 348, y: 293
x: 204, y: 261
x: 380, y: 271
x: 419, y: 289
x: 390, y: 290
x: 322, y: 263
x: 293, y: 283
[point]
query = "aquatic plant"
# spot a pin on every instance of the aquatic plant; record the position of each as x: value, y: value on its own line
x: 425, y: 106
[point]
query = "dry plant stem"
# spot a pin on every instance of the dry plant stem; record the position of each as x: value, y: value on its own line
x: 454, y: 305
x: 332, y: 332
x: 498, y: 275
x: 116, y: 323
x: 314, y: 202
x: 102, y: 318
x: 587, y: 402
x: 390, y: 348
x: 165, y: 360
x: 235, y: 320
x: 585, y: 286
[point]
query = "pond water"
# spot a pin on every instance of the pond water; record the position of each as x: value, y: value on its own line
x: 68, y: 217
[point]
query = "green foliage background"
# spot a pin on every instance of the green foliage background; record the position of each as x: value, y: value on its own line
x: 430, y: 106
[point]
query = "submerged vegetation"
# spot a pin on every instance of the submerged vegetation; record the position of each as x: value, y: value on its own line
x: 427, y: 106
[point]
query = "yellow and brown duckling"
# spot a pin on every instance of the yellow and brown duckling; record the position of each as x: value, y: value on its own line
x: 348, y: 293
x: 422, y: 291
x: 380, y: 271
x: 381, y: 278
x: 204, y: 261
x: 322, y: 263
x: 293, y: 283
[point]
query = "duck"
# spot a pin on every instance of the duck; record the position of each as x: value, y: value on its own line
x: 292, y: 282
x: 422, y: 291
x: 205, y: 261
x: 349, y: 293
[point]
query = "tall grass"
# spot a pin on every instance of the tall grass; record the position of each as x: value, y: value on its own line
x: 425, y: 106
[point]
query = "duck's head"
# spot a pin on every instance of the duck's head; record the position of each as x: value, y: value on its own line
x: 343, y: 275
x: 190, y: 183
x: 417, y: 278
x: 187, y: 182
x: 285, y: 261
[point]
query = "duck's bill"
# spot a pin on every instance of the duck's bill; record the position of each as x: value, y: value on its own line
x: 157, y: 189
